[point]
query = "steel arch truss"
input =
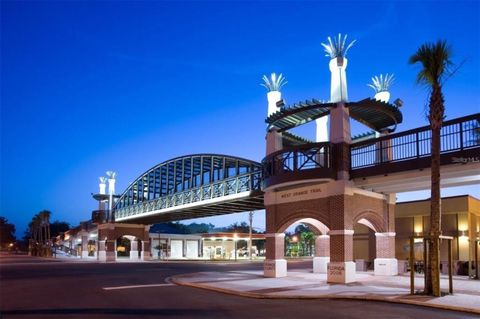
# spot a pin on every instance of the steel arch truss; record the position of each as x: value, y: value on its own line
x: 190, y: 187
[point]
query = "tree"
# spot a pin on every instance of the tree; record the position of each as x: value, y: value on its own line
x: 58, y: 227
x: 44, y: 216
x: 196, y: 228
x: 7, y: 233
x: 435, y: 61
x: 236, y: 227
x: 308, y: 240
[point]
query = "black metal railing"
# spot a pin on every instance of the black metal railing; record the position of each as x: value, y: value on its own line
x: 456, y: 135
x: 300, y: 162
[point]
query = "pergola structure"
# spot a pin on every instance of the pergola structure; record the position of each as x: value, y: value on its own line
x: 377, y: 115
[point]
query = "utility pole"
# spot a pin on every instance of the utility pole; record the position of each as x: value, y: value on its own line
x: 250, y: 219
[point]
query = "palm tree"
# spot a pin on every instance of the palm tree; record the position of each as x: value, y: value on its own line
x: 44, y: 216
x: 36, y: 222
x: 308, y: 238
x: 435, y: 61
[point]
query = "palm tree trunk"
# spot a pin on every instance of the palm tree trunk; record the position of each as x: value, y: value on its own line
x: 436, y: 120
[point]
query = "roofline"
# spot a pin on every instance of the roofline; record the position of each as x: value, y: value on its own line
x: 447, y: 197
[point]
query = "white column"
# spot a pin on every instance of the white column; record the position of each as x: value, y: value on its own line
x: 102, y: 185
x: 322, y: 129
x: 273, y: 97
x: 84, y: 246
x: 102, y: 254
x: 338, y: 83
x: 134, y: 249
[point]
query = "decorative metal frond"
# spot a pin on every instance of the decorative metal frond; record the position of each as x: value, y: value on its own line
x: 380, y: 83
x: 274, y: 83
x: 102, y: 179
x: 337, y: 47
x: 111, y: 174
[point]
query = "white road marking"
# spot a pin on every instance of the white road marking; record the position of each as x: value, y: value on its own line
x: 137, y: 286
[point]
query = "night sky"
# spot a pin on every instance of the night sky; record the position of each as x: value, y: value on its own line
x: 88, y: 87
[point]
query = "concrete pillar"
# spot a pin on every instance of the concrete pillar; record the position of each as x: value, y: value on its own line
x: 110, y: 250
x: 84, y: 246
x: 145, y: 253
x: 385, y: 264
x: 134, y: 249
x: 275, y: 264
x: 322, y: 254
x: 101, y: 252
x: 341, y: 268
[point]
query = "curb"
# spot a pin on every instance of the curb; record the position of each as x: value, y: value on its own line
x: 176, y: 280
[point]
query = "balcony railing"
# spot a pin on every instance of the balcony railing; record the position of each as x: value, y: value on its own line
x: 304, y: 162
x: 457, y: 136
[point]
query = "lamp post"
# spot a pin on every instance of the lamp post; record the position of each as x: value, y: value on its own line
x: 111, y: 190
x: 250, y: 219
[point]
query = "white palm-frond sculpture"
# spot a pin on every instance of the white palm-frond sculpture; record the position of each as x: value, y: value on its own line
x: 274, y: 83
x: 338, y: 47
x: 381, y: 83
x: 111, y: 174
x: 102, y: 179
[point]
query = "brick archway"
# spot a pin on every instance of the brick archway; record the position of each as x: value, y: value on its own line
x: 313, y: 218
x: 372, y: 220
x: 109, y: 232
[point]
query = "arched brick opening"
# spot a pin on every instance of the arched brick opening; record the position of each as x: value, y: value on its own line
x: 137, y: 234
x: 372, y: 220
x: 133, y: 248
x: 318, y: 224
x: 318, y: 221
x: 380, y: 245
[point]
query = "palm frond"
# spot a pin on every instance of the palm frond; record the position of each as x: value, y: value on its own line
x: 435, y: 59
x: 274, y: 83
x: 337, y: 47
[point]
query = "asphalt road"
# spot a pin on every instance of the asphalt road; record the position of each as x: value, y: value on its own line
x: 35, y: 288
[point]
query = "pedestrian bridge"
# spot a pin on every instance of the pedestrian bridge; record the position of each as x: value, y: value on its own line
x: 192, y: 186
x: 204, y: 185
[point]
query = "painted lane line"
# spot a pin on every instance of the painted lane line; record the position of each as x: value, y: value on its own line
x: 137, y: 286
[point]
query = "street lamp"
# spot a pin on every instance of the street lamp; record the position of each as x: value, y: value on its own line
x: 250, y: 219
x: 111, y: 191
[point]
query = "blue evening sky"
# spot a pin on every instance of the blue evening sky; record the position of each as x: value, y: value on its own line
x: 93, y: 86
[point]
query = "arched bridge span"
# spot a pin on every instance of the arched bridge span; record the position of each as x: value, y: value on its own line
x: 192, y: 186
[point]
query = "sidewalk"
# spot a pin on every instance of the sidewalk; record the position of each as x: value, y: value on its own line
x: 307, y: 285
